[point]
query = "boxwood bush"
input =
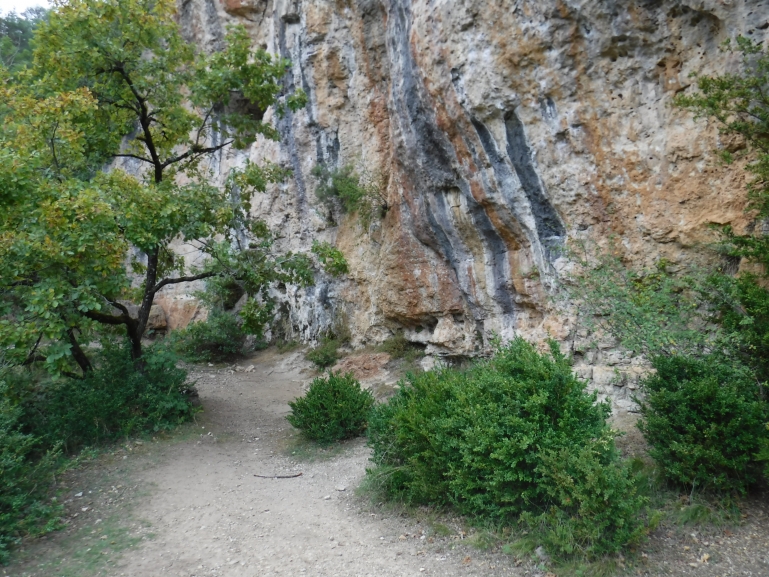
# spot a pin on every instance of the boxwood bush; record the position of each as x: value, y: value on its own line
x: 219, y: 338
x: 334, y: 408
x: 705, y: 422
x: 515, y: 438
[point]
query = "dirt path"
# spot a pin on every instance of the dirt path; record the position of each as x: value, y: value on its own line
x: 192, y: 507
x: 204, y: 513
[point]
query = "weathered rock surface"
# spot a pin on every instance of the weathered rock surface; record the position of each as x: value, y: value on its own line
x: 506, y: 131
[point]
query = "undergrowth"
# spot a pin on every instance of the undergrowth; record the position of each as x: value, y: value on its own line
x: 45, y: 422
x: 219, y: 338
x: 398, y: 347
x: 326, y: 353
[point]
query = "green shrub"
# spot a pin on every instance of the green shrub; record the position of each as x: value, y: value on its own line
x: 334, y: 408
x: 219, y: 338
x: 763, y: 453
x: 705, y: 422
x: 331, y: 258
x: 326, y: 353
x: 114, y: 400
x: 513, y: 438
x: 40, y: 416
x: 356, y: 191
x: 222, y: 292
x: 26, y: 473
x: 399, y: 348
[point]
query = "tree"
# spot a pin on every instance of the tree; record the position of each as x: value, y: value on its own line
x: 104, y: 155
x: 16, y: 33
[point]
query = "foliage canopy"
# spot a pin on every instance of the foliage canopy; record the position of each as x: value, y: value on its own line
x: 16, y: 33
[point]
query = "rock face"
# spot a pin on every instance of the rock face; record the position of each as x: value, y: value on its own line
x: 506, y: 130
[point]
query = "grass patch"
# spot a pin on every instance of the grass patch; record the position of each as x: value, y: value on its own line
x: 484, y: 540
x: 94, y: 549
x: 95, y: 542
x: 441, y: 529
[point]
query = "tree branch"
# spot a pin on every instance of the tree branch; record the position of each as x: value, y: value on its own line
x: 119, y: 306
x: 33, y: 357
x: 107, y: 319
x: 136, y: 156
x: 203, y: 125
x: 196, y: 151
x: 168, y: 281
x: 77, y: 353
x: 144, y: 121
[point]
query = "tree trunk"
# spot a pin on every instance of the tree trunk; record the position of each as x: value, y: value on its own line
x: 136, y: 332
x: 135, y: 338
x: 78, y: 354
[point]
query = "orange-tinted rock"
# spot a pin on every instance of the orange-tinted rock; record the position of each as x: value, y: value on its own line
x: 179, y: 312
x: 364, y: 366
x: 243, y: 7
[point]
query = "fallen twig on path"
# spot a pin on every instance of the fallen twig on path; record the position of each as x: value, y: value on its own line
x: 278, y: 476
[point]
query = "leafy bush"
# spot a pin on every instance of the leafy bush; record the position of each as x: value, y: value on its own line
x: 705, y: 421
x: 515, y: 437
x: 40, y: 416
x: 399, y: 348
x: 331, y: 258
x: 334, y: 408
x: 325, y: 354
x: 706, y: 335
x: 222, y: 292
x: 649, y: 311
x: 743, y: 312
x: 362, y: 193
x: 26, y: 473
x: 217, y: 339
x: 114, y: 400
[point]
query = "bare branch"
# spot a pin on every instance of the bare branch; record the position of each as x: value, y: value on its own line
x: 203, y: 125
x: 33, y: 357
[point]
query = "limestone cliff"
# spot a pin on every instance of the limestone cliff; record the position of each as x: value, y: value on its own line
x: 506, y: 129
